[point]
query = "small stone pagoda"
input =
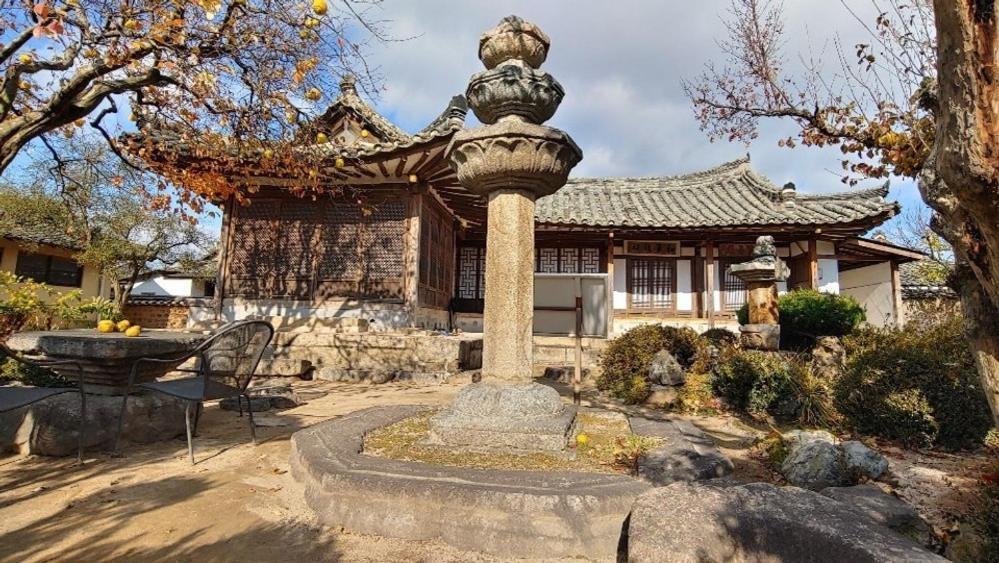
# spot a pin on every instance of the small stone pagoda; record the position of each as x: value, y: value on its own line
x: 761, y: 275
x: 511, y: 161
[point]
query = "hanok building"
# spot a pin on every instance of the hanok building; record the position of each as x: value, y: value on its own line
x: 402, y: 243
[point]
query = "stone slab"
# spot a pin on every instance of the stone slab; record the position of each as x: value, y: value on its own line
x: 50, y: 427
x: 688, y: 454
x: 885, y: 509
x: 527, y: 514
x: 758, y: 523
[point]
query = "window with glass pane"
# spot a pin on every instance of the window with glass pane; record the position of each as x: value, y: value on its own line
x: 32, y: 266
x: 64, y: 272
x: 650, y: 284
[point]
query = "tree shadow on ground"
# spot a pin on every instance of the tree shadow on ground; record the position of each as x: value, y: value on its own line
x: 101, y: 526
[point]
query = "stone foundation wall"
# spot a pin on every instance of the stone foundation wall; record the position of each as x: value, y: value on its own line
x: 381, y: 352
x: 174, y: 316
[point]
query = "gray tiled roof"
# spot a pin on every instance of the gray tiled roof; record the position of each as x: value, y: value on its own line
x: 39, y: 234
x: 730, y: 195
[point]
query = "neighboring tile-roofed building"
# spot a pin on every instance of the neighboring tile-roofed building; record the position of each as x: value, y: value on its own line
x: 920, y: 281
x: 729, y: 195
x: 39, y: 234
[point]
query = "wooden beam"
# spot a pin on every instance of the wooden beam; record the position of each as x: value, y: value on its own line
x: 709, y: 281
x: 610, y: 284
x: 813, y: 263
x: 224, y: 253
x: 896, y: 293
x: 411, y: 256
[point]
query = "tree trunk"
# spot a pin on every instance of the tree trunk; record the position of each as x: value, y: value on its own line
x: 982, y: 324
x: 960, y: 180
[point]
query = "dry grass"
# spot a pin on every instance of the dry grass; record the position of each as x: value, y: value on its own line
x: 609, y: 437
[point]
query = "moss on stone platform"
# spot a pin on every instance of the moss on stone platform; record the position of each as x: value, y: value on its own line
x: 610, y: 445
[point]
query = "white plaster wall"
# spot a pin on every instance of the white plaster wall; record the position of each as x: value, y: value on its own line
x: 871, y: 286
x: 829, y: 275
x: 717, y: 285
x: 165, y: 287
x: 684, y: 293
x: 620, y: 284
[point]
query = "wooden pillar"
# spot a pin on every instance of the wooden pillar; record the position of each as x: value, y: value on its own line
x: 224, y: 253
x: 896, y: 293
x: 813, y: 263
x: 411, y: 256
x: 709, y: 282
x: 610, y: 284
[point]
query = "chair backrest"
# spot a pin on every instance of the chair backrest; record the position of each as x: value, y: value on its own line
x: 233, y: 353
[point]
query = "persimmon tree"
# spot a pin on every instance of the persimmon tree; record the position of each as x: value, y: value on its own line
x: 213, y: 70
x: 919, y: 100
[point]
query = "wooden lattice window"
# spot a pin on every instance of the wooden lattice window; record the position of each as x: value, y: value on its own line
x: 471, y: 272
x: 568, y: 260
x: 436, y: 256
x: 651, y: 284
x: 733, y: 290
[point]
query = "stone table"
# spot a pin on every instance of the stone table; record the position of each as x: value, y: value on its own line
x: 107, y: 358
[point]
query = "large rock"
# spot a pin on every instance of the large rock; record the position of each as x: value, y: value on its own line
x: 687, y: 454
x: 863, y: 461
x: 815, y: 464
x: 665, y: 370
x: 519, y: 418
x: 816, y: 460
x: 693, y: 522
x: 51, y: 426
x: 885, y: 509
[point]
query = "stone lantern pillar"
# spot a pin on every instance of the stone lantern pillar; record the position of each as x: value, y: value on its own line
x: 761, y: 275
x: 511, y: 161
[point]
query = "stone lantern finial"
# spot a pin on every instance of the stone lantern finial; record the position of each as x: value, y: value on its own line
x: 513, y: 38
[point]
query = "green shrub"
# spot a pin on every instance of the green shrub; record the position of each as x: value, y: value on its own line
x: 720, y: 337
x: 806, y: 314
x: 625, y: 363
x: 696, y: 396
x: 917, y: 385
x: 774, y: 384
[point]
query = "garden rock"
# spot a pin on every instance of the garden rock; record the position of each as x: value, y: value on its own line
x: 665, y: 370
x: 757, y: 522
x: 828, y: 358
x: 816, y: 460
x: 885, y: 509
x: 815, y: 464
x: 688, y: 454
x: 862, y: 460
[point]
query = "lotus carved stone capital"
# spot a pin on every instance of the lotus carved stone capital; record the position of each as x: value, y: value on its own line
x: 514, y: 89
x: 513, y: 155
x: 513, y: 38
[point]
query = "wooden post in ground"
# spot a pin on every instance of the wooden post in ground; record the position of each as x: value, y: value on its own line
x: 813, y: 263
x: 577, y: 376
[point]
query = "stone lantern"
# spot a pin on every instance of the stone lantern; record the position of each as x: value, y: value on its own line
x: 511, y: 161
x: 761, y: 275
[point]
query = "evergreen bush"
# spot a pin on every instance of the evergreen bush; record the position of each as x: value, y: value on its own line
x: 626, y: 361
x: 918, y: 385
x: 806, y: 314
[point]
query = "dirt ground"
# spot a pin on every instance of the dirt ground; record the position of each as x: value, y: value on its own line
x: 239, y: 502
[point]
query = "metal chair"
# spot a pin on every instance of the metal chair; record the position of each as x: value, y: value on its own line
x: 13, y: 398
x: 225, y: 364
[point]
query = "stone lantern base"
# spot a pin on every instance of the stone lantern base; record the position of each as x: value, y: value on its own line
x: 510, y: 418
x: 760, y: 336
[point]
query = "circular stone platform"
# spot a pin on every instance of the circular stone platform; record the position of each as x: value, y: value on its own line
x: 530, y: 514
